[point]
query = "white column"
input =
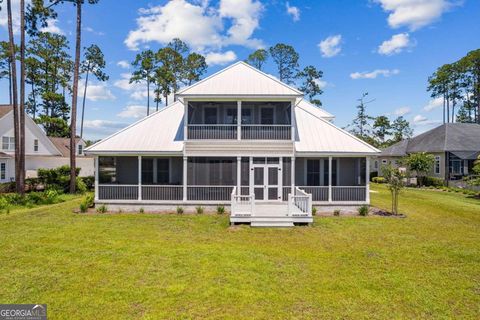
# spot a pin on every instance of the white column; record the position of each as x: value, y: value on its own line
x: 329, y: 179
x: 185, y: 167
x: 185, y: 119
x: 239, y: 174
x: 239, y: 120
x: 292, y: 175
x: 250, y: 173
x: 96, y: 178
x: 292, y: 117
x: 280, y: 179
x: 139, y: 178
x: 367, y: 180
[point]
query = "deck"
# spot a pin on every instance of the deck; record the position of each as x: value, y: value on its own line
x: 270, y: 214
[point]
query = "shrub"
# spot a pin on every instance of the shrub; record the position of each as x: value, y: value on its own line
x: 142, y: 210
x: 58, y: 178
x: 363, y: 210
x: 90, y: 200
x: 102, y: 209
x: 83, y: 207
x: 4, y: 205
x: 89, y: 182
x: 31, y: 184
x: 199, y: 209
x: 336, y: 212
x: 220, y: 210
x: 433, y: 182
x: 80, y: 186
x: 373, y: 174
x: 7, y: 187
x: 179, y: 210
x: 379, y: 180
x: 51, y: 196
x: 314, y: 211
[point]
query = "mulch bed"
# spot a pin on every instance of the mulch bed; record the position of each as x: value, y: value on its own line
x: 383, y: 213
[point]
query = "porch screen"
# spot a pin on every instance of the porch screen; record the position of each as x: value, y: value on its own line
x: 212, y: 171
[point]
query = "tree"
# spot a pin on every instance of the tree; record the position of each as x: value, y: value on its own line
x: 472, y: 68
x: 438, y: 85
x: 94, y: 63
x: 360, y: 125
x: 381, y: 128
x: 195, y: 67
x: 5, y: 65
x: 178, y: 53
x: 286, y: 59
x: 168, y: 72
x: 310, y: 87
x: 258, y: 58
x: 144, y: 64
x: 394, y: 179
x: 421, y: 163
x: 401, y: 129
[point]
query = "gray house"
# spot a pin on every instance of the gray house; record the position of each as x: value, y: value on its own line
x: 455, y: 147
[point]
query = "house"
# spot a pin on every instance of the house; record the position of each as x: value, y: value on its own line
x: 241, y: 138
x: 455, y: 147
x: 40, y: 151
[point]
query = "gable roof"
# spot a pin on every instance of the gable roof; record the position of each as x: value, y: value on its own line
x: 449, y: 137
x: 63, y: 144
x: 319, y: 112
x: 317, y: 135
x: 239, y: 80
x: 161, y: 132
x: 5, y: 109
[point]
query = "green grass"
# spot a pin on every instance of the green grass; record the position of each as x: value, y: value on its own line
x: 129, y: 266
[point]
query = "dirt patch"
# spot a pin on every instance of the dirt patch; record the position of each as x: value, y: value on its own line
x: 383, y: 213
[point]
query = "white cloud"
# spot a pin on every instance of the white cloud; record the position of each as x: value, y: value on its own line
x: 201, y: 26
x: 100, y: 128
x: 402, y: 111
x: 135, y: 111
x: 96, y: 92
x: 321, y: 83
x: 138, y: 91
x: 219, y: 58
x: 374, y: 74
x: 414, y: 14
x: 331, y: 46
x: 420, y: 120
x: 52, y: 27
x: 15, y: 15
x: 123, y: 64
x: 396, y: 44
x: 293, y: 11
x: 434, y: 104
x: 90, y: 29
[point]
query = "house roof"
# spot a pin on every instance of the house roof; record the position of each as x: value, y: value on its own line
x: 319, y: 112
x: 463, y: 138
x: 5, y: 109
x: 3, y: 155
x: 239, y: 80
x: 318, y: 135
x: 161, y: 132
x: 63, y: 144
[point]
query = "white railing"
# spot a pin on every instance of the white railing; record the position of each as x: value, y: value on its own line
x: 118, y: 192
x: 319, y: 193
x: 162, y: 192
x: 242, y: 204
x: 209, y: 193
x: 300, y: 203
x: 212, y: 131
x: 285, y: 192
x: 266, y: 132
x: 349, y: 194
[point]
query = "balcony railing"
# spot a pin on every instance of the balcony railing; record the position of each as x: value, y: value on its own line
x: 349, y: 194
x: 212, y: 132
x: 118, y: 192
x: 230, y: 132
x: 319, y: 193
x: 162, y: 192
x: 266, y: 132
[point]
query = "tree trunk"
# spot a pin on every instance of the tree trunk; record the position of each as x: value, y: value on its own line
x: 448, y: 108
x: 73, y: 122
x: 443, y: 109
x: 21, y: 175
x: 84, y: 97
x: 148, y: 97
x: 14, y: 95
x: 34, y: 112
x: 10, y: 80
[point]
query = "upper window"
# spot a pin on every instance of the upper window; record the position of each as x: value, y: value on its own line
x: 437, y: 165
x: 80, y: 149
x: 8, y: 143
x: 35, y: 145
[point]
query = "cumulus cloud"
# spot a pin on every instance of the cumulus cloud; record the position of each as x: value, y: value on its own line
x: 219, y: 58
x: 15, y: 15
x: 123, y: 64
x: 414, y: 14
x: 396, y: 44
x: 293, y: 11
x: 331, y: 46
x: 137, y: 91
x: 91, y: 30
x: 52, y: 27
x: 402, y: 111
x: 99, y: 128
x: 434, y: 104
x: 321, y: 83
x: 419, y: 119
x: 135, y: 112
x: 374, y: 74
x: 96, y: 92
x: 201, y: 26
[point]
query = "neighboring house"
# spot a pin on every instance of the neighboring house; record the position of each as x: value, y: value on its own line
x: 455, y: 147
x: 239, y: 137
x: 40, y: 151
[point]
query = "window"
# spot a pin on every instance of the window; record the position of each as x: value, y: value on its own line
x: 266, y: 115
x: 3, y: 170
x: 437, y: 165
x: 147, y: 171
x: 210, y: 115
x: 375, y: 164
x: 231, y: 116
x: 384, y: 161
x: 80, y: 149
x: 163, y: 171
x: 8, y: 143
x: 35, y: 145
x: 247, y: 116
x: 107, y: 170
x: 313, y: 173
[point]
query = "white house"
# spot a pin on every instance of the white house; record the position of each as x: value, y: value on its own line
x: 40, y: 151
x: 239, y: 137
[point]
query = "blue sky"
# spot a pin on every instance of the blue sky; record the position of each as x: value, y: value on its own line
x: 385, y: 47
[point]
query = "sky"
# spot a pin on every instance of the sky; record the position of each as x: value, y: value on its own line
x: 387, y: 48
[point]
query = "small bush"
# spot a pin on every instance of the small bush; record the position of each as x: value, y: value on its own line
x: 336, y: 212
x: 89, y: 182
x: 90, y: 200
x: 363, y: 210
x: 314, y: 211
x: 433, y: 182
x: 102, y: 209
x: 379, y: 180
x: 220, y: 210
x: 179, y: 210
x: 80, y: 186
x: 51, y: 196
x: 142, y: 210
x: 199, y: 209
x: 83, y: 207
x: 4, y: 205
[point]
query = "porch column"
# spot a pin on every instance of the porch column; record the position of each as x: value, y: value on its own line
x: 367, y: 180
x: 292, y: 118
x: 251, y: 176
x: 96, y: 177
x: 292, y: 174
x: 185, y: 164
x: 185, y: 119
x: 139, y: 177
x: 239, y: 174
x: 239, y: 120
x: 330, y: 179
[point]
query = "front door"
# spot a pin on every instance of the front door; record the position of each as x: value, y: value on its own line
x: 267, y: 181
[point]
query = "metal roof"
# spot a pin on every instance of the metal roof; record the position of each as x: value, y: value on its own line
x: 319, y: 112
x: 5, y: 109
x: 240, y: 80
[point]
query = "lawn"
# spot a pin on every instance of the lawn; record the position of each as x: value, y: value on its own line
x: 194, y: 266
